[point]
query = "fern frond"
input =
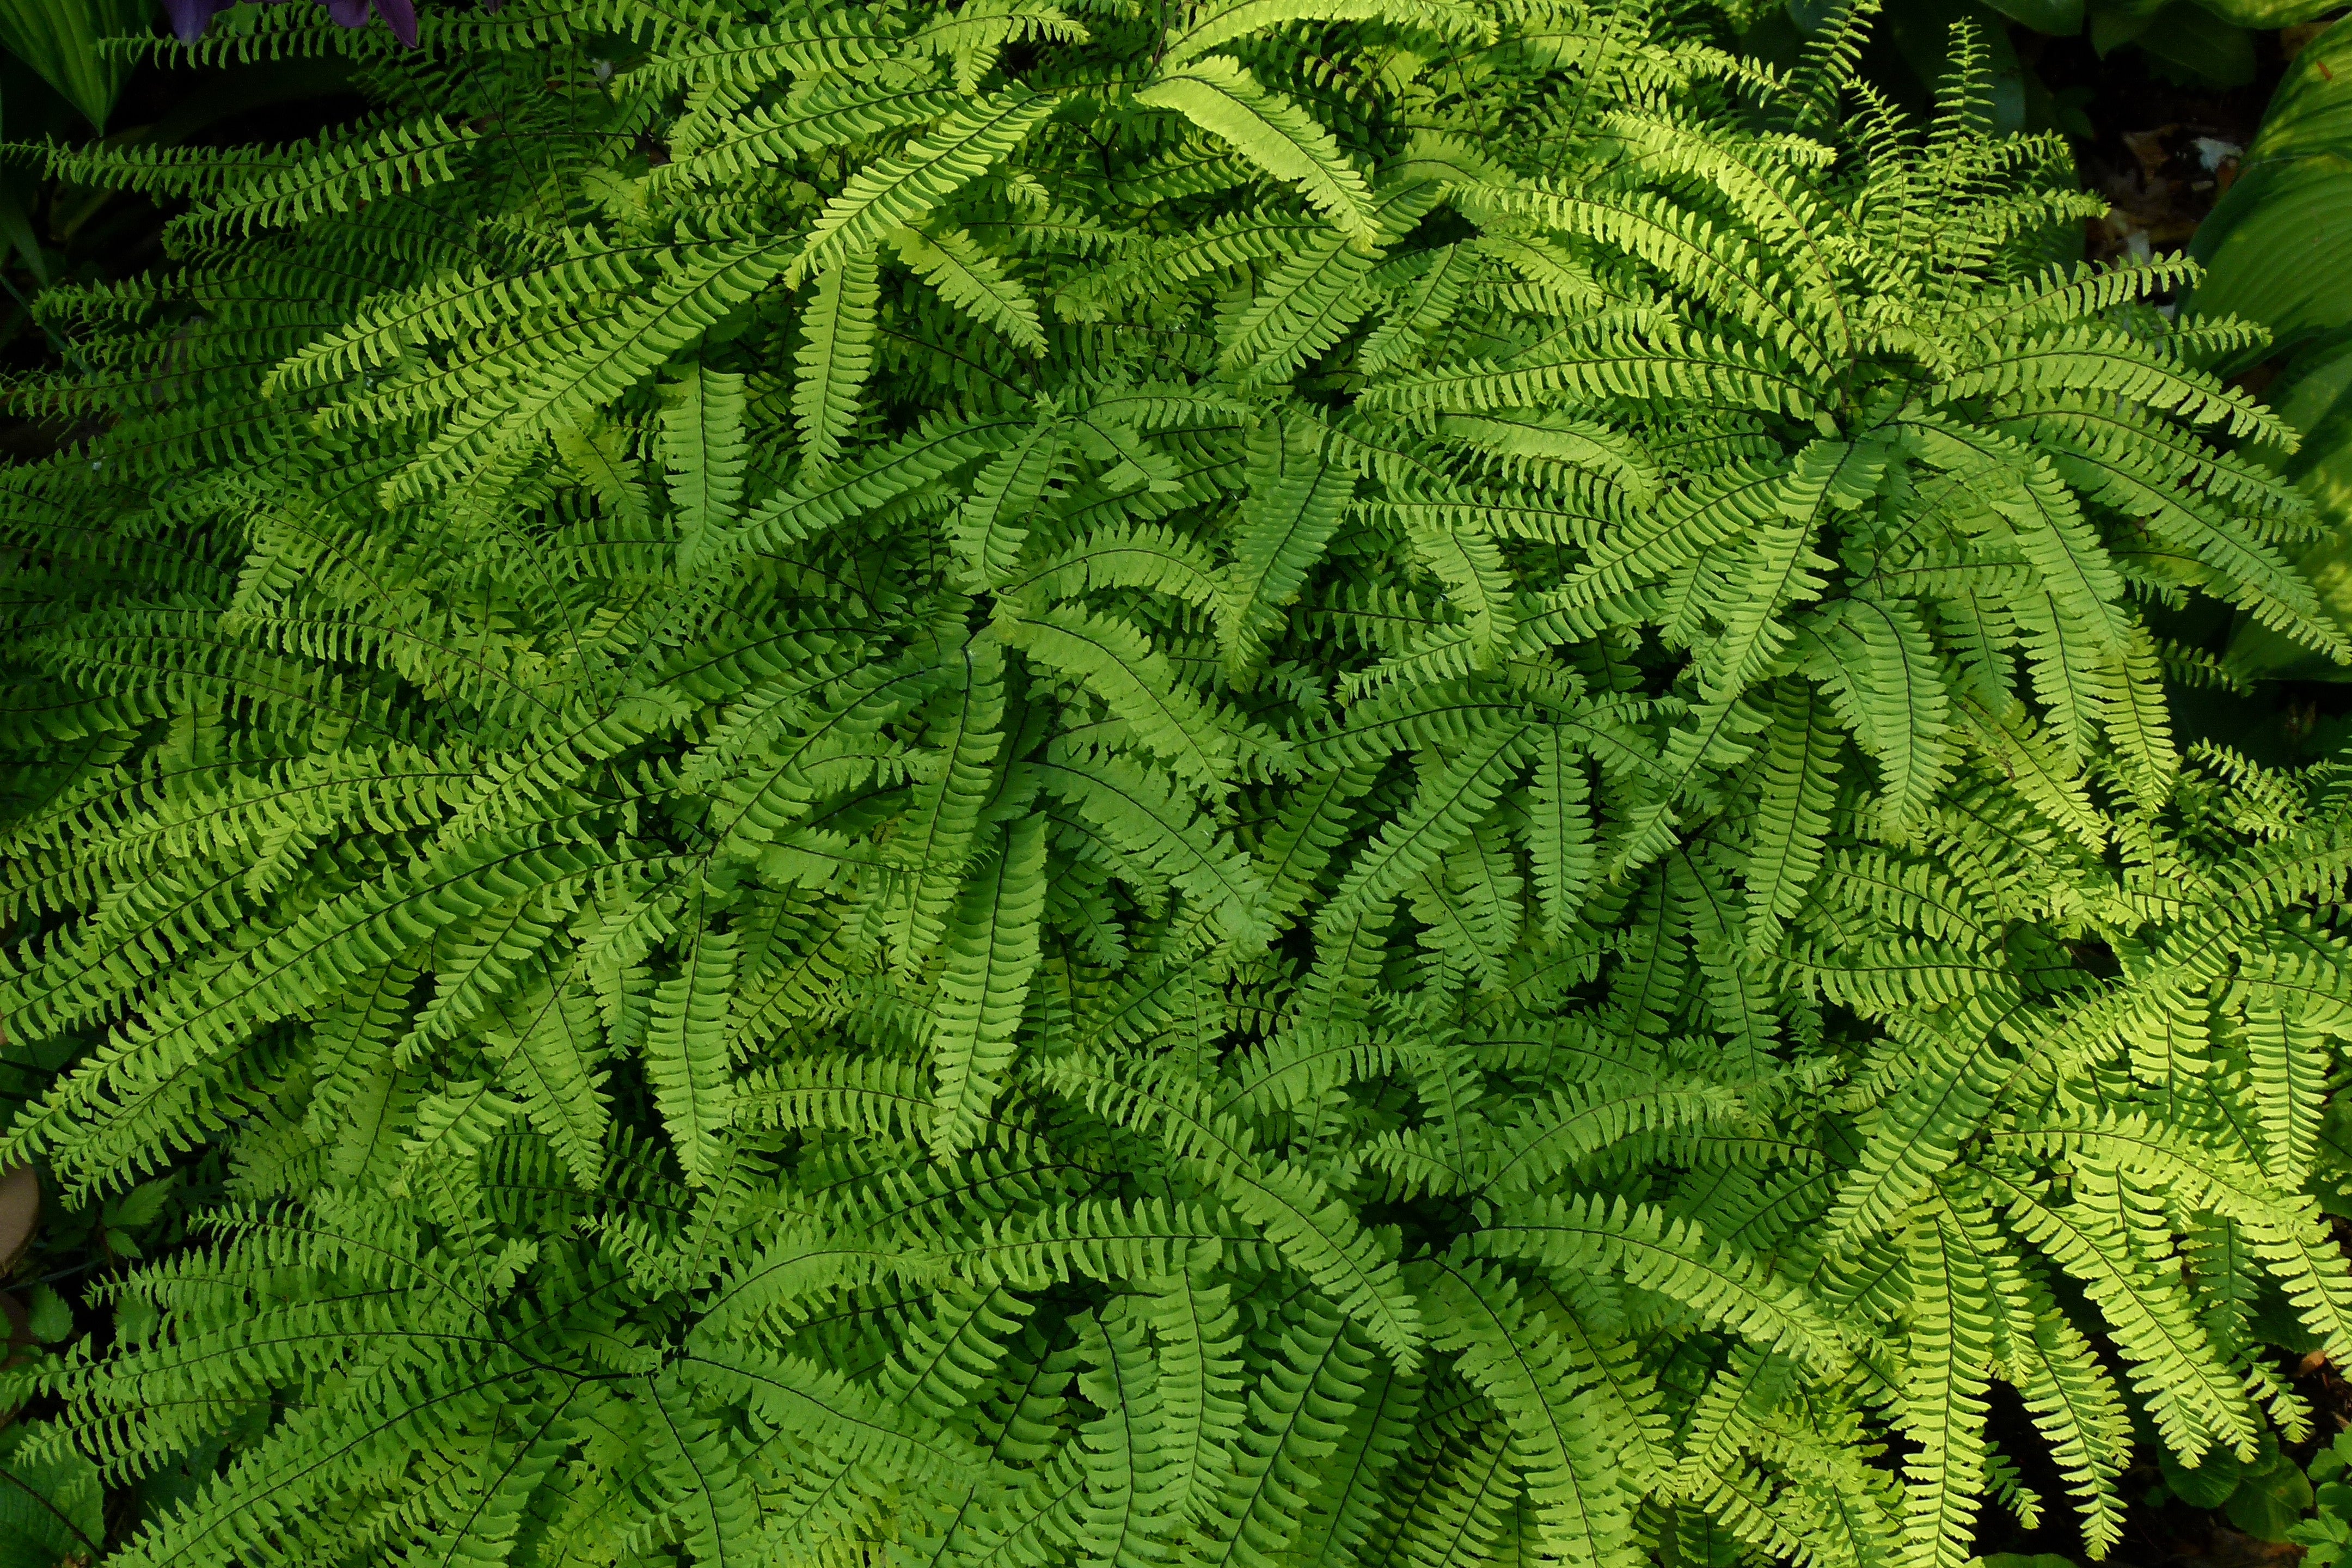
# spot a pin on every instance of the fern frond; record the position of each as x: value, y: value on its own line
x: 990, y: 952
x: 1219, y: 95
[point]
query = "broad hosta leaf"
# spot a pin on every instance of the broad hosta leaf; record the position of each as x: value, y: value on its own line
x: 2268, y: 244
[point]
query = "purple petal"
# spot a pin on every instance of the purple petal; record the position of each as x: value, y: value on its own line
x: 189, y: 17
x: 347, y: 13
x: 400, y: 16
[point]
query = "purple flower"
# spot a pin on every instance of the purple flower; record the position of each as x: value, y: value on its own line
x: 189, y: 17
x: 400, y: 16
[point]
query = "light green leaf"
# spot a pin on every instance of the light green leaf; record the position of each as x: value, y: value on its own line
x: 1223, y: 98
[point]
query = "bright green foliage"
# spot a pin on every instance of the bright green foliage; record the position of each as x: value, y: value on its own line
x: 1273, y: 783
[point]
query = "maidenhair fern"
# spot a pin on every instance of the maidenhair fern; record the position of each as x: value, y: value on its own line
x: 1250, y: 783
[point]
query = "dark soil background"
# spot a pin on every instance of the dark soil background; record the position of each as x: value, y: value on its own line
x: 2161, y: 150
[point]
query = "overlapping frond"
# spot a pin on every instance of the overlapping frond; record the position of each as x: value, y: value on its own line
x: 1282, y: 784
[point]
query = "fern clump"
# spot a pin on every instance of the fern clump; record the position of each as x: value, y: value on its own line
x: 1272, y: 781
